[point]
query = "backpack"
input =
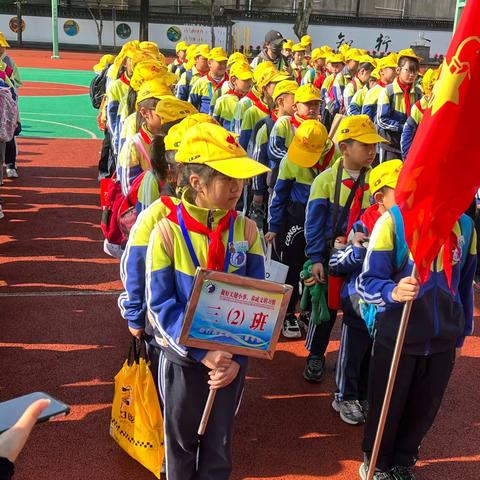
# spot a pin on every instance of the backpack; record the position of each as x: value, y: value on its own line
x: 112, y: 201
x: 8, y: 115
x: 98, y: 87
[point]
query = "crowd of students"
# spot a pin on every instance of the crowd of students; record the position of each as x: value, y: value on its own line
x: 301, y: 149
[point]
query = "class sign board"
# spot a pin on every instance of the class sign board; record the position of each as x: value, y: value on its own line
x: 237, y: 314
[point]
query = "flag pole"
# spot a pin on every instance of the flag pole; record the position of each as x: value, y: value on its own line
x: 402, y: 330
x: 206, y: 412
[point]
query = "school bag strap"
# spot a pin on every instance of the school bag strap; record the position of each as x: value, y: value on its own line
x: 137, y: 140
x: 466, y: 227
x: 250, y: 231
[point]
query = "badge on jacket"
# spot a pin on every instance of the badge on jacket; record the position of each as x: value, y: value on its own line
x: 238, y: 253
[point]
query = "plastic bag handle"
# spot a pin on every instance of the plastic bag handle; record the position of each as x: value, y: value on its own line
x: 268, y: 255
x: 137, y: 351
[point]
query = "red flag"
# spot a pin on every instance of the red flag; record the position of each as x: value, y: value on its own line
x: 442, y: 171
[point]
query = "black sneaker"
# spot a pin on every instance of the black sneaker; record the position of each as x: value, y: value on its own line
x: 304, y: 320
x: 402, y: 473
x: 365, y: 408
x: 378, y: 475
x: 314, y: 369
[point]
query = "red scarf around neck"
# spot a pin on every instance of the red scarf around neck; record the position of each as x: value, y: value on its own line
x: 356, y: 207
x: 297, y: 120
x: 406, y: 93
x: 237, y: 94
x: 145, y: 136
x: 124, y: 79
x: 214, y: 82
x: 379, y: 82
x: 258, y: 103
x: 370, y: 216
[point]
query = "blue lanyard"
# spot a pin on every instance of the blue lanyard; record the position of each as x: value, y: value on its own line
x: 188, y: 241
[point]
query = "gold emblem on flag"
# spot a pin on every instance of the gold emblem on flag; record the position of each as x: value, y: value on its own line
x: 447, y: 88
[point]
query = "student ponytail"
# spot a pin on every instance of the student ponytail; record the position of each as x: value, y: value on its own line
x: 158, y: 159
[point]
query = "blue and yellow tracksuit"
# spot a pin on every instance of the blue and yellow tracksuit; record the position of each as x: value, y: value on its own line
x: 117, y: 91
x: 327, y: 93
x: 224, y: 110
x: 131, y: 161
x: 129, y: 129
x: 357, y: 101
x: 350, y: 90
x: 371, y: 101
x: 148, y: 191
x: 339, y: 84
x: 280, y: 139
x: 299, y: 71
x: 259, y: 153
x: 392, y: 113
x: 439, y: 319
x: 250, y: 118
x: 411, y: 126
x: 311, y: 76
x: 319, y: 216
x: 219, y: 92
x: 202, y: 92
x: 177, y: 67
x: 243, y: 105
x: 186, y: 82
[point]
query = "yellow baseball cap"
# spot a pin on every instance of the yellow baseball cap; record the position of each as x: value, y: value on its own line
x: 236, y: 57
x: 366, y: 59
x: 385, y: 175
x: 3, y: 41
x: 241, y: 70
x: 172, y: 109
x: 260, y: 68
x: 359, y: 128
x: 335, y: 58
x: 429, y: 79
x: 375, y: 73
x: 326, y: 48
x: 155, y: 88
x: 202, y: 50
x: 218, y: 54
x: 142, y: 56
x: 212, y: 145
x: 180, y: 46
x: 306, y: 40
x: 191, y: 51
x: 408, y: 52
x: 271, y: 75
x: 102, y: 63
x: 353, y: 54
x: 288, y: 44
x: 298, y: 47
x: 285, y: 86
x: 344, y: 48
x: 177, y: 132
x: 308, y: 143
x: 318, y: 53
x: 307, y: 93
x: 149, y: 70
x: 151, y: 47
x: 390, y: 61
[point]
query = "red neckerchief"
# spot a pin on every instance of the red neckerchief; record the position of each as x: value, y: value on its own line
x: 216, y: 248
x: 299, y: 75
x: 330, y: 88
x: 145, y: 136
x: 125, y: 79
x: 327, y: 158
x: 202, y: 74
x: 274, y: 116
x: 356, y: 207
x: 418, y: 103
x: 379, y: 82
x: 237, y: 94
x: 258, y: 103
x: 320, y: 78
x: 406, y: 92
x: 180, y: 62
x: 219, y: 84
x: 370, y: 216
x: 297, y: 120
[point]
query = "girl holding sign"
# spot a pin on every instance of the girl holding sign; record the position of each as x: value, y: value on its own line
x: 205, y: 231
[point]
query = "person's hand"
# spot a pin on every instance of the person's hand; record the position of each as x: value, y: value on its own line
x: 217, y: 359
x: 136, y: 332
x: 13, y: 440
x: 258, y: 199
x: 318, y: 272
x: 222, y: 377
x: 270, y: 237
x: 406, y: 290
x: 358, y: 239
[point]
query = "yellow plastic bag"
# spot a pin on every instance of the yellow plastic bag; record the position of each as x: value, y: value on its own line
x: 137, y: 422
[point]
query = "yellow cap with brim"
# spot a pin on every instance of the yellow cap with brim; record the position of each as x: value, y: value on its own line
x: 151, y: 47
x: 409, y: 52
x: 271, y: 75
x: 336, y: 58
x: 3, y: 41
x: 344, y: 48
x: 149, y: 70
x: 429, y: 79
x: 218, y: 54
x: 307, y: 93
x: 308, y: 144
x: 387, y: 62
x: 202, y: 51
x: 288, y: 44
x: 385, y: 175
x: 298, y: 47
x: 181, y: 46
x: 128, y: 51
x: 366, y: 59
x: 260, y: 68
x: 306, y: 40
x: 105, y: 61
x: 191, y: 51
x: 177, y: 132
x: 317, y: 54
x: 236, y: 57
x: 326, y: 48
x: 155, y: 88
x: 142, y: 56
x: 212, y: 145
x: 359, y: 128
x: 171, y: 109
x: 353, y: 54
x: 285, y: 86
x: 241, y: 70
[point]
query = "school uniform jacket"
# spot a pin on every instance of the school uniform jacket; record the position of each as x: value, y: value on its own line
x: 177, y: 67
x: 280, y: 139
x: 129, y: 129
x: 242, y: 106
x: 169, y: 281
x: 440, y: 318
x: 251, y: 117
x: 339, y: 84
x: 356, y: 103
x: 201, y: 93
x: 411, y: 125
x: 370, y: 103
x: 224, y: 110
x: 116, y: 92
x: 350, y: 90
x: 315, y: 77
x: 319, y: 216
x: 186, y: 82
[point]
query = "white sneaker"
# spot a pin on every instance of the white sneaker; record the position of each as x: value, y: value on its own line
x: 2, y: 215
x: 112, y: 249
x: 350, y: 411
x: 290, y: 328
x: 12, y: 173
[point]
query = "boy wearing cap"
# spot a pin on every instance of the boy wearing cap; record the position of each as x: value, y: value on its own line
x: 416, y: 116
x: 310, y: 152
x: 338, y: 197
x: 316, y: 74
x: 298, y: 64
x: 306, y: 107
x: 272, y: 52
x: 287, y: 50
x: 441, y: 317
x: 355, y: 345
x: 343, y: 78
x: 358, y: 100
x: 306, y: 42
x: 335, y: 64
x: 361, y: 78
x: 395, y: 103
x: 387, y: 71
x: 204, y: 88
x: 198, y: 70
x: 177, y: 66
x: 241, y: 79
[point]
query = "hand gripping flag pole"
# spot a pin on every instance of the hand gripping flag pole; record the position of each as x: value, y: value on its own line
x: 402, y: 329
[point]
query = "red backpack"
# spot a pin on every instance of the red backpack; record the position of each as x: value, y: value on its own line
x: 111, y: 199
x: 127, y: 212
